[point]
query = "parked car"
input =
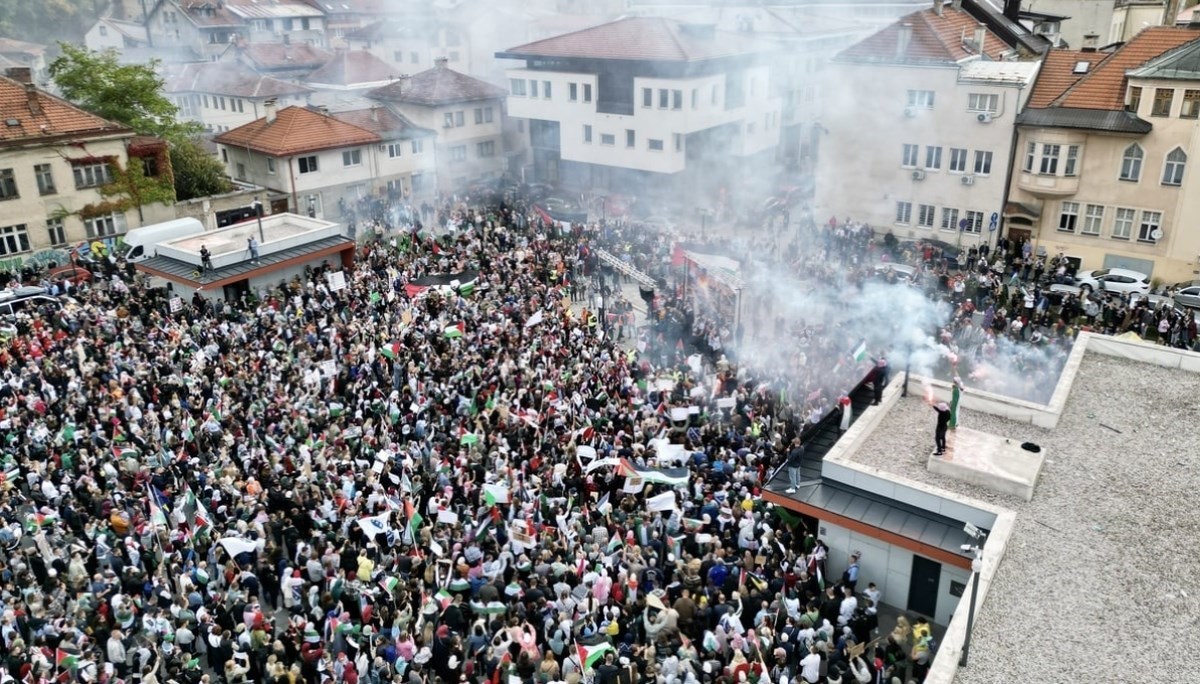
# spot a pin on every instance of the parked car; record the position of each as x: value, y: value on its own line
x: 72, y: 274
x: 22, y: 299
x: 1187, y: 294
x: 950, y: 252
x: 1120, y: 280
x: 900, y: 272
x: 1153, y: 301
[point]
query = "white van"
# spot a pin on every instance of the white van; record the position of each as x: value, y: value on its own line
x: 141, y: 243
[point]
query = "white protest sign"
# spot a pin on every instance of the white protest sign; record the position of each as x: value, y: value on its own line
x: 336, y: 280
x: 633, y: 485
x: 329, y: 368
x: 176, y: 304
x: 447, y: 517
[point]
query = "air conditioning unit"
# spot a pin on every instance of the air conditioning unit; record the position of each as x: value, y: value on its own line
x: 919, y: 174
x: 910, y: 112
x: 984, y: 118
x: 968, y: 180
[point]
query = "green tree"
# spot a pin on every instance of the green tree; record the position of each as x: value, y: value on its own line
x: 132, y: 94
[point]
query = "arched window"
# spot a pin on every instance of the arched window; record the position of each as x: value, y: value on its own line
x: 1173, y: 169
x: 1131, y: 163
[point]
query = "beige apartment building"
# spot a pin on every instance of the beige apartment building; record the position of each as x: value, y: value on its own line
x: 1101, y: 172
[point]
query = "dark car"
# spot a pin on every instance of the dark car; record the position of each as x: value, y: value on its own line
x: 950, y: 253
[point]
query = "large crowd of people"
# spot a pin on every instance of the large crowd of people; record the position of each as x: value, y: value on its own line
x: 485, y: 482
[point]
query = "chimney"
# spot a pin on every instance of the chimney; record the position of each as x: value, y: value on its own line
x: 35, y: 105
x: 980, y: 36
x: 1090, y: 41
x: 20, y: 74
x: 269, y: 109
x: 1012, y: 10
x: 903, y: 39
x: 375, y: 113
x: 441, y: 62
x: 937, y: 7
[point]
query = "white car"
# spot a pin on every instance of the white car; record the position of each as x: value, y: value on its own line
x: 1118, y: 280
x: 1188, y: 294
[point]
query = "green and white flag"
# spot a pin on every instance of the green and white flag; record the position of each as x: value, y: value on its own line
x: 590, y: 655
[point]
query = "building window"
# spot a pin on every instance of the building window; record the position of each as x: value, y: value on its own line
x: 546, y: 89
x: 448, y: 120
x: 630, y: 137
x: 418, y: 146
x: 486, y: 148
x: 974, y: 222
x: 517, y: 86
x: 1190, y: 108
x: 676, y: 99
x: 417, y: 181
x: 911, y: 156
x: 608, y: 139
x: 1163, y: 97
x: 92, y: 175
x: 104, y: 226
x: 8, y: 185
x: 224, y: 157
x: 647, y: 97
x: 983, y: 102
x: 925, y: 214
x: 45, y: 179
x: 1071, y: 167
x: 1068, y: 216
x: 572, y: 91
x: 1173, y: 170
x: 983, y: 163
x: 933, y: 157
x: 308, y: 164
x: 458, y: 119
x: 394, y: 150
x: 1135, y: 99
x: 1093, y: 219
x: 533, y: 88
x: 352, y: 158
x: 1030, y: 156
x: 1148, y: 229
x: 458, y: 153
x: 587, y: 92
x: 655, y: 145
x: 949, y: 219
x: 1123, y: 224
x: 1050, y: 154
x: 14, y: 239
x: 958, y: 160
x: 56, y: 232
x: 664, y: 98
x: 920, y: 99
x: 241, y: 171
x: 587, y: 133
x: 903, y: 212
x: 1131, y: 163
x: 270, y: 165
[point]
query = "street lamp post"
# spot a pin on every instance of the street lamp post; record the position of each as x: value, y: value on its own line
x: 257, y: 206
x: 976, y: 571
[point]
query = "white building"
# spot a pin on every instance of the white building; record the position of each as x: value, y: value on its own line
x: 322, y: 162
x: 642, y: 100
x: 224, y: 95
x: 108, y: 33
x: 919, y: 127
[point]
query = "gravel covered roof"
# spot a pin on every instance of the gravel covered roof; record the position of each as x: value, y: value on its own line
x: 1108, y: 541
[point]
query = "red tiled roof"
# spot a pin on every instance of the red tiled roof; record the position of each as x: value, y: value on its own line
x: 437, y: 86
x: 655, y: 39
x: 935, y: 39
x: 54, y: 117
x: 382, y: 122
x: 281, y: 56
x: 1057, y: 74
x: 296, y: 130
x: 229, y: 78
x: 1104, y: 86
x: 352, y: 67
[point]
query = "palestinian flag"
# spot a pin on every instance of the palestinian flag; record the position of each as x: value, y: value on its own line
x: 672, y: 477
x: 157, y: 516
x: 38, y: 521
x: 194, y: 509
x: 336, y: 409
x: 468, y: 438
x: 860, y: 352
x: 127, y: 451
x: 390, y: 351
x: 415, y: 519
x: 467, y: 281
x: 443, y: 598
x: 189, y: 430
x: 456, y: 330
x: 389, y: 584
x: 64, y: 660
x: 590, y: 655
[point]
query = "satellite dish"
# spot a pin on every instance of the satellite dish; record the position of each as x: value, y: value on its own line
x: 1156, y: 234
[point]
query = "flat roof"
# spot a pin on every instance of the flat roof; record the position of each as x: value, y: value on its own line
x: 183, y: 272
x: 1109, y: 533
x: 275, y: 228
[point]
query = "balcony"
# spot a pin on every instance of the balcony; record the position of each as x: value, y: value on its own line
x: 1045, y: 185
